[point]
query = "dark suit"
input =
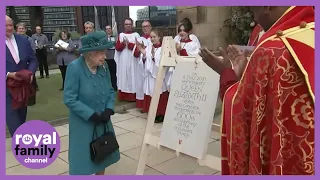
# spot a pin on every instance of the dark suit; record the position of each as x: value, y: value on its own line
x: 16, y: 117
x: 112, y: 64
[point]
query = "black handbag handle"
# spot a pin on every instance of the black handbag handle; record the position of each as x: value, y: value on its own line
x: 95, y: 134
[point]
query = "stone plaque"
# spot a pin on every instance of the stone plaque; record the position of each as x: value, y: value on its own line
x: 191, y: 106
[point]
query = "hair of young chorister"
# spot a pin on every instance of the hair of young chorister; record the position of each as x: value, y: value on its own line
x: 147, y: 22
x: 186, y: 23
x: 66, y: 32
x: 157, y: 32
x: 185, y: 20
x: 129, y: 20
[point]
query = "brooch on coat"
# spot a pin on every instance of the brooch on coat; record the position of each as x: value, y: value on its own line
x: 104, y: 67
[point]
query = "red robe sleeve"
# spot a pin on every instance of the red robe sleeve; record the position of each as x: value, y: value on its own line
x: 136, y: 53
x: 227, y: 79
x: 131, y: 45
x: 120, y: 46
x: 254, y: 35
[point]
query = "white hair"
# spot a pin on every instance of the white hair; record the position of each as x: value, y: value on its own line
x: 8, y: 18
x: 89, y: 23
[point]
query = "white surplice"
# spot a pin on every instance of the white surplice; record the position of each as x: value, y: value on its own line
x: 151, y: 71
x: 192, y: 48
x: 140, y: 71
x: 127, y: 65
x: 191, y: 36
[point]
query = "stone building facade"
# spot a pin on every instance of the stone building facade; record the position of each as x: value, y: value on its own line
x: 207, y: 24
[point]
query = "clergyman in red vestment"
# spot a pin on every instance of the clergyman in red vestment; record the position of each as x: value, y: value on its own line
x: 268, y: 117
x: 254, y: 37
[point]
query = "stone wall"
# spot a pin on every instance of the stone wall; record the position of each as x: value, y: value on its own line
x: 207, y: 23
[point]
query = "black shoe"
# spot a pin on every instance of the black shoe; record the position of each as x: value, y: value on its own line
x: 47, y: 76
x: 159, y: 119
x: 41, y: 77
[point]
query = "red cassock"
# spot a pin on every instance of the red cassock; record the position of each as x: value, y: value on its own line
x: 162, y: 105
x: 163, y: 100
x: 254, y: 37
x: 268, y: 116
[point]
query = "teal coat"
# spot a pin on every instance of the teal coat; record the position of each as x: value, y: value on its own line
x: 84, y: 94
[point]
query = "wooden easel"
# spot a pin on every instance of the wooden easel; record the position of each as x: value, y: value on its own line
x: 169, y: 58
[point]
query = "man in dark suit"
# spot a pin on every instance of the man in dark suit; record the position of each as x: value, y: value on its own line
x: 21, y: 29
x: 19, y: 56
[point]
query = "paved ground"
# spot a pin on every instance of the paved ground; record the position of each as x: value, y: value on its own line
x: 52, y: 71
x: 129, y: 130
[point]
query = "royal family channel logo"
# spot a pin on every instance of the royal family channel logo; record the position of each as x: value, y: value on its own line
x: 36, y: 144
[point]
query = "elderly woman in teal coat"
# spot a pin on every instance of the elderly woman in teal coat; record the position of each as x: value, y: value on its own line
x: 89, y: 95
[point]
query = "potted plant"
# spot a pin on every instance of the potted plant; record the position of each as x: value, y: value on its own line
x: 240, y: 25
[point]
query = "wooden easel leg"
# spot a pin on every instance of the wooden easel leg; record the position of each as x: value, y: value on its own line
x: 150, y: 120
x: 143, y: 159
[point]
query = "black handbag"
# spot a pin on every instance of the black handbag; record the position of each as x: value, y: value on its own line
x: 101, y: 147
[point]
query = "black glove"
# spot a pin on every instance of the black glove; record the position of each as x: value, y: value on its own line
x: 95, y: 118
x: 106, y: 114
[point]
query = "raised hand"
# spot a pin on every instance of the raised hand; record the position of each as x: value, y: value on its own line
x: 216, y: 63
x: 238, y: 59
x: 143, y: 51
x: 142, y: 45
x: 137, y: 42
x: 125, y: 40
x: 178, y: 47
x: 139, y: 45
x: 152, y: 52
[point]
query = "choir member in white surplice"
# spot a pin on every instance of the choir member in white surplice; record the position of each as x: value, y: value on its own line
x: 191, y: 35
x: 151, y: 56
x: 127, y: 63
x: 186, y: 46
x: 145, y: 41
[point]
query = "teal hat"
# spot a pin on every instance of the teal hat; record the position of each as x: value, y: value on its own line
x: 95, y: 41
